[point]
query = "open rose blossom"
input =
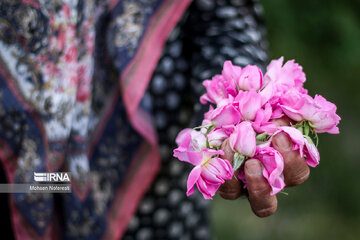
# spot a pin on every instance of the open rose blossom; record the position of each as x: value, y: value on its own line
x: 243, y: 140
x: 209, y: 172
x: 225, y: 115
x: 244, y: 103
x: 318, y: 111
x: 273, y: 167
x: 251, y: 78
x: 249, y: 103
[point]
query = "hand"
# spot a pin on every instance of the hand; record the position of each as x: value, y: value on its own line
x: 296, y: 171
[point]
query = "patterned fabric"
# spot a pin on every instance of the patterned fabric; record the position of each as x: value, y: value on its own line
x: 211, y: 32
x: 72, y: 75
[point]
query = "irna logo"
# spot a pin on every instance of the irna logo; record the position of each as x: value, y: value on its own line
x: 52, y: 177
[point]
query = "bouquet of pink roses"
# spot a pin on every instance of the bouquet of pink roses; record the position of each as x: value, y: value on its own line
x: 245, y: 105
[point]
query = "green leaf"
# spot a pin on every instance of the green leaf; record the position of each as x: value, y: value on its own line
x: 210, y: 129
x: 238, y: 160
x: 261, y: 137
x: 306, y: 128
x: 311, y: 125
x: 301, y: 129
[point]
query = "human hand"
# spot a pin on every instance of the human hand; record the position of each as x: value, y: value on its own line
x: 296, y: 171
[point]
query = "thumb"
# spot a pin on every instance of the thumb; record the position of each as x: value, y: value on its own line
x: 231, y: 189
x: 228, y: 152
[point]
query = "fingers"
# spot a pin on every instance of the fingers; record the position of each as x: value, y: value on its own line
x: 262, y: 203
x: 296, y: 171
x: 228, y: 152
x: 231, y: 189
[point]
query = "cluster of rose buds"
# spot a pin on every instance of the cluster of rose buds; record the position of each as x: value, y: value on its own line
x: 244, y: 105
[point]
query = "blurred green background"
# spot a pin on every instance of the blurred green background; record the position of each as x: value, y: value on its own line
x: 324, y: 37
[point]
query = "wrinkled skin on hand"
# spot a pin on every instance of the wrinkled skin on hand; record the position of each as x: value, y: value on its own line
x: 296, y: 171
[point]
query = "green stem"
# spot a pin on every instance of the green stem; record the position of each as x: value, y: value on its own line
x: 285, y: 193
x: 203, y: 126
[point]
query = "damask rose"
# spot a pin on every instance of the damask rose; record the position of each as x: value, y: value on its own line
x: 262, y: 121
x: 190, y: 144
x: 289, y: 75
x: 243, y: 139
x: 231, y: 74
x: 311, y: 153
x: 249, y: 103
x: 296, y: 137
x: 303, y: 143
x: 273, y: 164
x: 217, y: 90
x: 244, y: 109
x: 251, y: 78
x: 217, y: 136
x: 320, y: 113
x: 225, y: 115
x: 209, y: 173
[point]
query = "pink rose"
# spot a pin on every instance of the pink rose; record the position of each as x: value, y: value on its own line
x: 217, y: 90
x: 243, y: 139
x: 311, y: 153
x: 302, y: 143
x: 231, y: 74
x: 251, y: 78
x: 224, y: 115
x: 216, y: 137
x: 291, y: 74
x: 296, y: 137
x: 207, y: 115
x: 261, y: 123
x: 271, y: 94
x: 182, y: 135
x: 318, y: 111
x: 273, y: 70
x: 267, y: 93
x: 325, y: 119
x: 209, y: 173
x: 273, y: 167
x: 190, y: 143
x: 249, y: 103
x: 279, y: 79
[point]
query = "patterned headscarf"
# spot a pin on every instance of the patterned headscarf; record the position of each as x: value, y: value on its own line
x: 72, y: 79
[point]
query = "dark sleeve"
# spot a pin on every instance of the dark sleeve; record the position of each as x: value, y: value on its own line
x: 220, y: 30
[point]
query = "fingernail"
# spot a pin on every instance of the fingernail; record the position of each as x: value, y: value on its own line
x: 253, y: 168
x: 282, y: 142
